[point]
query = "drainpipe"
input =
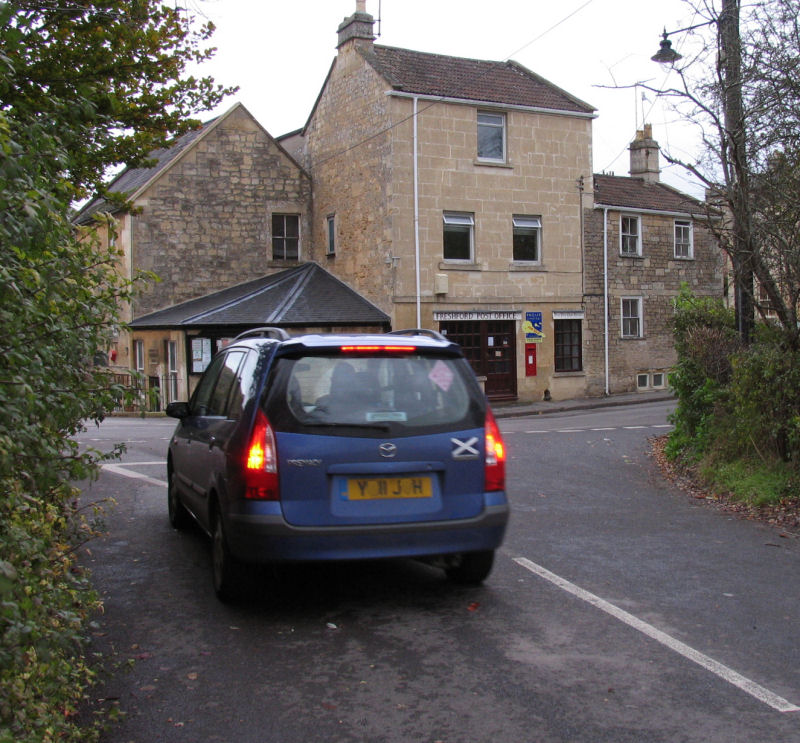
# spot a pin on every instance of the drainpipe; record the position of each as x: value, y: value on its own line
x: 416, y: 216
x: 605, y: 294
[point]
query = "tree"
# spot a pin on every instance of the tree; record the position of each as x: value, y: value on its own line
x: 106, y: 78
x: 742, y: 92
x: 84, y: 85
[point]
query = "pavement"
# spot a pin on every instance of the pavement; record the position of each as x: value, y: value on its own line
x: 518, y: 409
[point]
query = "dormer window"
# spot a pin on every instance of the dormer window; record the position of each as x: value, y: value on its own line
x: 491, y: 137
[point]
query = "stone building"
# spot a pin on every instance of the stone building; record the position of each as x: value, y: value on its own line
x: 643, y: 240
x: 447, y: 191
x: 223, y: 205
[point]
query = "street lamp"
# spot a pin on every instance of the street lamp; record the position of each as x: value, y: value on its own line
x: 734, y: 152
x: 666, y: 54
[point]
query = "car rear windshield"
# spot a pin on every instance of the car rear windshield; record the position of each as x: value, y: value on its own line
x: 402, y: 394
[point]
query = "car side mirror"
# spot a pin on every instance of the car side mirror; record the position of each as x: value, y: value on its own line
x: 178, y: 410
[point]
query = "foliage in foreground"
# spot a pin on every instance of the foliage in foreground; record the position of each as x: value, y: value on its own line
x: 45, y: 603
x: 738, y: 412
x: 83, y: 86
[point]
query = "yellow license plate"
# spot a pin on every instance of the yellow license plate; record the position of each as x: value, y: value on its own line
x: 379, y: 488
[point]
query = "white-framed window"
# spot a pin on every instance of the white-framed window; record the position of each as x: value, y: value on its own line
x: 171, y: 350
x: 631, y: 316
x: 330, y: 248
x: 458, y: 236
x: 527, y: 246
x: 491, y: 136
x: 138, y: 355
x: 684, y: 239
x: 630, y: 234
x: 285, y: 237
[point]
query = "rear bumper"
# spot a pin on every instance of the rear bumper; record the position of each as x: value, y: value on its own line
x: 269, y: 538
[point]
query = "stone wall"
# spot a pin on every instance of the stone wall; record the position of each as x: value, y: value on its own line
x: 205, y: 223
x: 348, y: 146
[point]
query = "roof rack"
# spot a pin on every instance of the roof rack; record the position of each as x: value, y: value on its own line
x: 419, y: 331
x: 279, y: 334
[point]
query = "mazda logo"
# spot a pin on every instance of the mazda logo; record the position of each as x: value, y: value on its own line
x: 387, y: 450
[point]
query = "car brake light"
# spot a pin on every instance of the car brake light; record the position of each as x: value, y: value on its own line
x: 495, y: 468
x: 261, y: 462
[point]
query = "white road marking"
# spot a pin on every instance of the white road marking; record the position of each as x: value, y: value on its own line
x: 726, y: 674
x: 119, y: 469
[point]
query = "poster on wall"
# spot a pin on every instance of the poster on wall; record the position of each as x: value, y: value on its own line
x: 201, y: 354
x: 533, y: 327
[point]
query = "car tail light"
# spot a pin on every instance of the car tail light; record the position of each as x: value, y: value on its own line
x: 261, y: 462
x: 495, y: 469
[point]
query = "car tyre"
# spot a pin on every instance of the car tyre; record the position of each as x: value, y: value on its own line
x: 226, y: 570
x: 472, y: 568
x: 179, y: 517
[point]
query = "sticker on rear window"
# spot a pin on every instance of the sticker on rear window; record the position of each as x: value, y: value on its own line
x: 441, y: 375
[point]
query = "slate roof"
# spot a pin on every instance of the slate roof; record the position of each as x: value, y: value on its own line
x: 131, y: 180
x: 637, y: 194
x: 470, y: 79
x: 305, y: 295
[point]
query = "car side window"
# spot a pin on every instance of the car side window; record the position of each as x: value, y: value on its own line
x: 242, y: 387
x: 202, y: 395
x: 218, y: 404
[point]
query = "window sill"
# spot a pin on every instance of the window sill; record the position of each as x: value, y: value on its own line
x: 494, y: 164
x: 569, y: 374
x: 683, y: 257
x: 631, y: 255
x: 523, y: 266
x: 459, y: 266
x: 283, y: 262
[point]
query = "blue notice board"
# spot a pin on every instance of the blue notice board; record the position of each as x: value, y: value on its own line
x: 534, y: 332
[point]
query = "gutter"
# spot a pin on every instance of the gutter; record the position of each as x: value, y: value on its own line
x: 416, y: 213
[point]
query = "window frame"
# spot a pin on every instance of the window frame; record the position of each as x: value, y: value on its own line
x: 171, y: 354
x: 689, y: 226
x: 562, y: 327
x: 285, y: 237
x: 626, y: 235
x: 138, y: 355
x: 535, y: 224
x: 330, y: 245
x: 501, y: 123
x: 455, y: 220
x: 638, y: 317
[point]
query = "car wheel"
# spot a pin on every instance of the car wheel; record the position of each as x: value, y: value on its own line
x: 473, y: 567
x: 225, y: 568
x: 178, y: 515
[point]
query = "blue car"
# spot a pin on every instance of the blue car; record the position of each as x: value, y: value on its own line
x: 339, y: 447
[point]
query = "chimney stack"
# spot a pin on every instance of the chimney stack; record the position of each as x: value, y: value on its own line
x: 358, y: 26
x: 644, y: 156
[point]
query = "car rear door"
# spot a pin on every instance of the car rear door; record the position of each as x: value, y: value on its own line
x: 402, y: 442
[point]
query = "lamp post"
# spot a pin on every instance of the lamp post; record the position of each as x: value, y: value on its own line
x: 734, y: 155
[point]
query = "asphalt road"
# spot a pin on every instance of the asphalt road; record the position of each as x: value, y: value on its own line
x: 619, y: 610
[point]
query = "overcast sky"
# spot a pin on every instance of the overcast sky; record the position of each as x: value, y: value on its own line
x: 279, y: 51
